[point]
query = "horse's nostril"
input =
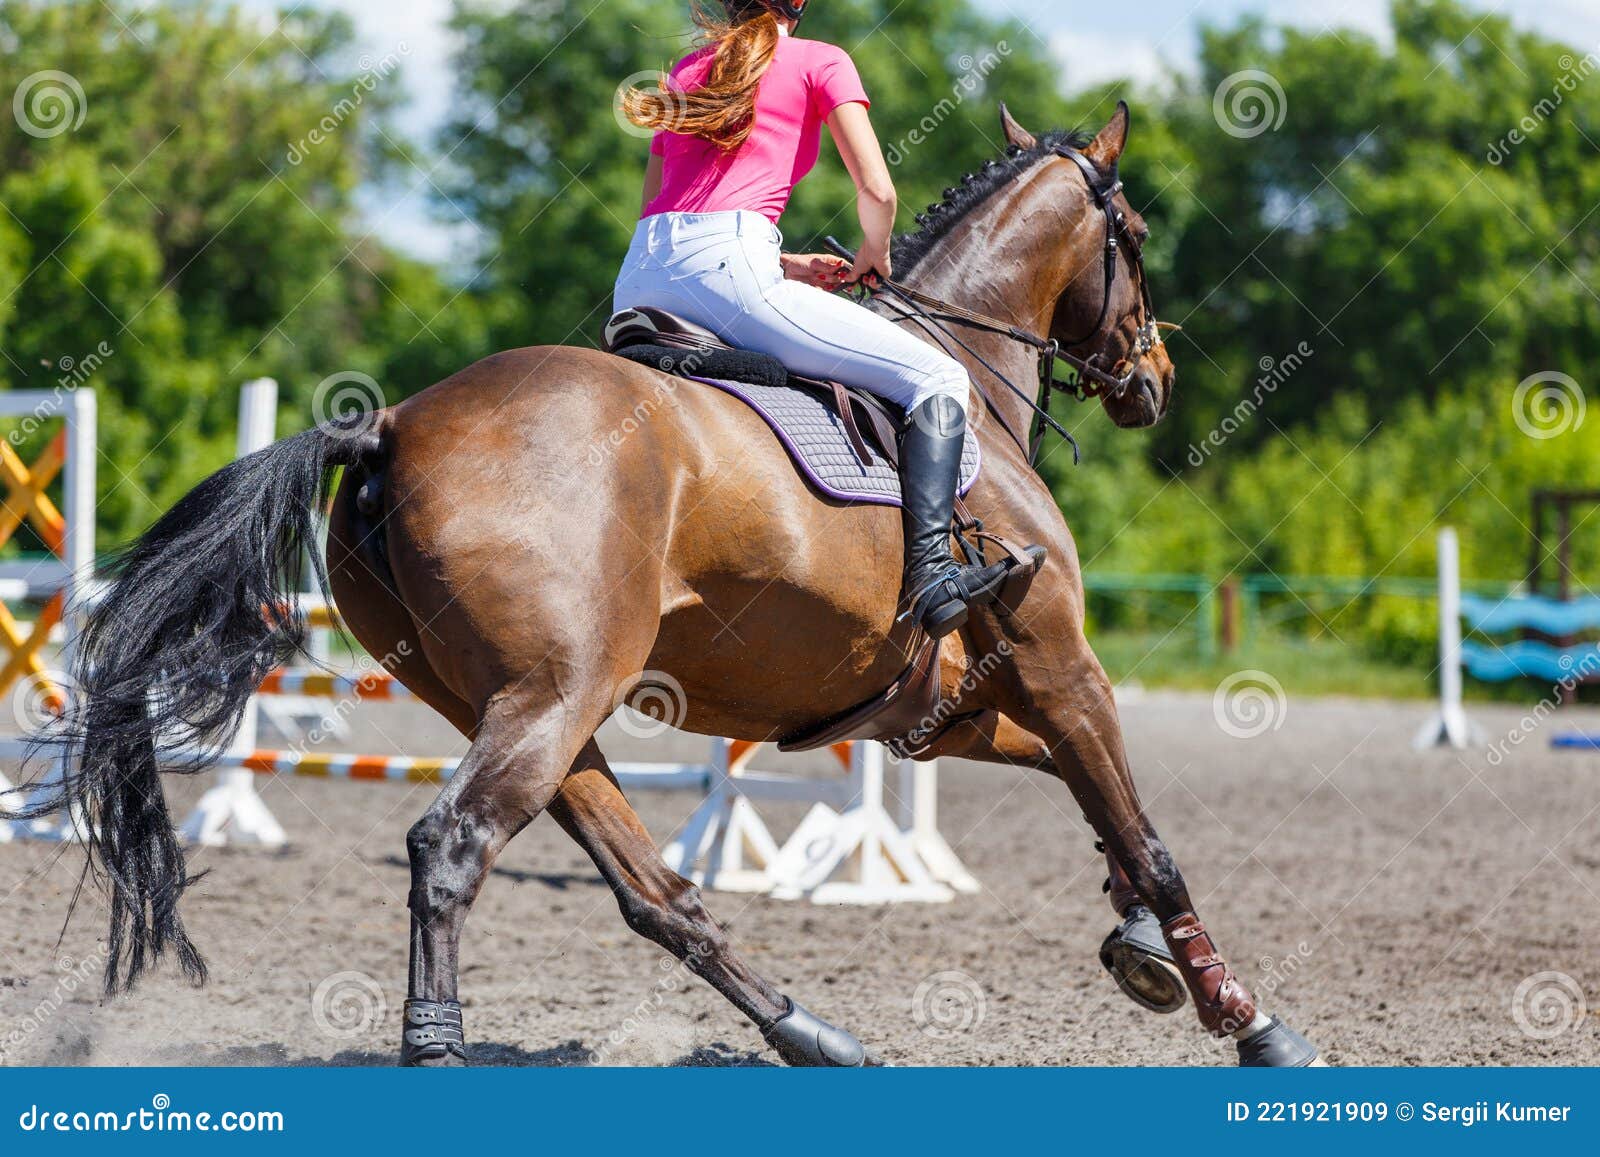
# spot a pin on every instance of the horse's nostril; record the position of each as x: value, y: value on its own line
x: 1150, y: 395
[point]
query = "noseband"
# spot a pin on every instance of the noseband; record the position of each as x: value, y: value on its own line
x: 1092, y: 380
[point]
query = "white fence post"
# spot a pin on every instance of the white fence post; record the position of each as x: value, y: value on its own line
x: 712, y: 846
x: 859, y: 855
x: 1449, y: 724
x: 849, y: 849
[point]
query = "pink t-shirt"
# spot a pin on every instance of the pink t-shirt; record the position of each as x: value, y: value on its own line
x: 806, y: 81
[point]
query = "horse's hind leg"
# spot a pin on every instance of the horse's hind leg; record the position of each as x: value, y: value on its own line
x: 662, y: 906
x: 514, y: 768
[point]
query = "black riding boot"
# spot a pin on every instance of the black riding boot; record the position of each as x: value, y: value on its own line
x: 936, y: 590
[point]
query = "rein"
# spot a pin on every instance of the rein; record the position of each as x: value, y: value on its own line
x: 933, y: 313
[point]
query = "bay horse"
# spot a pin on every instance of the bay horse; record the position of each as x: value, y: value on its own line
x: 521, y: 541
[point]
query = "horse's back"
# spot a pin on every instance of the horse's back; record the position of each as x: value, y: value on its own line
x: 557, y: 432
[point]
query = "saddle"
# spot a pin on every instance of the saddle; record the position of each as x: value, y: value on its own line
x: 906, y: 715
x: 674, y: 345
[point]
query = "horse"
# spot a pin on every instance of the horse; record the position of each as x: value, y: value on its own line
x: 531, y: 542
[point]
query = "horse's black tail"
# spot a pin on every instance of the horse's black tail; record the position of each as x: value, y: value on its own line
x: 199, y: 612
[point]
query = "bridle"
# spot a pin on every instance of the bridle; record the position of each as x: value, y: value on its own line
x: 1092, y: 379
x: 1104, y: 191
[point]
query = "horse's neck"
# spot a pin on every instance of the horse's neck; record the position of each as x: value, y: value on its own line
x: 996, y: 264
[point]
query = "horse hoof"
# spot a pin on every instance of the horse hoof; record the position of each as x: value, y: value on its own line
x: 1278, y: 1047
x: 1137, y: 956
x: 446, y: 1060
x: 802, y: 1038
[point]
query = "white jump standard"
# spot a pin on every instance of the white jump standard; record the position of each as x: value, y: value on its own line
x: 847, y: 850
x: 1562, y: 667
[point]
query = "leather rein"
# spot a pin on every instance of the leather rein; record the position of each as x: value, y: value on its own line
x: 932, y: 313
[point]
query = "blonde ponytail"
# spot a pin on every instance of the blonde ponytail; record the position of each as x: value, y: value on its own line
x: 723, y: 110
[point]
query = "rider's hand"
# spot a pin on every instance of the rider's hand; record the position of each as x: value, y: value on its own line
x: 871, y: 266
x: 821, y: 270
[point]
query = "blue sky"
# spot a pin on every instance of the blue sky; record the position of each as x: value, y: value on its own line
x: 1139, y: 38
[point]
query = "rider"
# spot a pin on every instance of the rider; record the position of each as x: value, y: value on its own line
x: 738, y: 124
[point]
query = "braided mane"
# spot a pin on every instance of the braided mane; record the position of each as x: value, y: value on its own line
x: 975, y: 188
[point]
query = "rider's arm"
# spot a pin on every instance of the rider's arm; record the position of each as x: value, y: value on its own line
x: 652, y: 181
x: 875, y: 197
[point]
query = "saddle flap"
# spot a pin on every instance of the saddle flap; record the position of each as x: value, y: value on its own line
x: 907, y: 705
x: 647, y: 325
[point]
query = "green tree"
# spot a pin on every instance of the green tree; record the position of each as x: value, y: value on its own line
x: 1380, y: 222
x: 192, y: 212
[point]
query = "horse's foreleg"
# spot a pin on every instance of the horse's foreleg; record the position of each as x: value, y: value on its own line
x: 665, y: 908
x: 514, y: 767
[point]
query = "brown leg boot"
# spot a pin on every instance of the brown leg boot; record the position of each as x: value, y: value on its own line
x: 1224, y: 1005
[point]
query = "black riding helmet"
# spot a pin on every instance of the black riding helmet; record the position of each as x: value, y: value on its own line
x: 740, y: 10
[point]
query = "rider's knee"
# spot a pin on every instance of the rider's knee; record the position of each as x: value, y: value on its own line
x: 950, y: 380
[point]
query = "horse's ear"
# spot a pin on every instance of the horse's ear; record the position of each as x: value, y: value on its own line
x: 1015, y: 133
x: 1107, y: 145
